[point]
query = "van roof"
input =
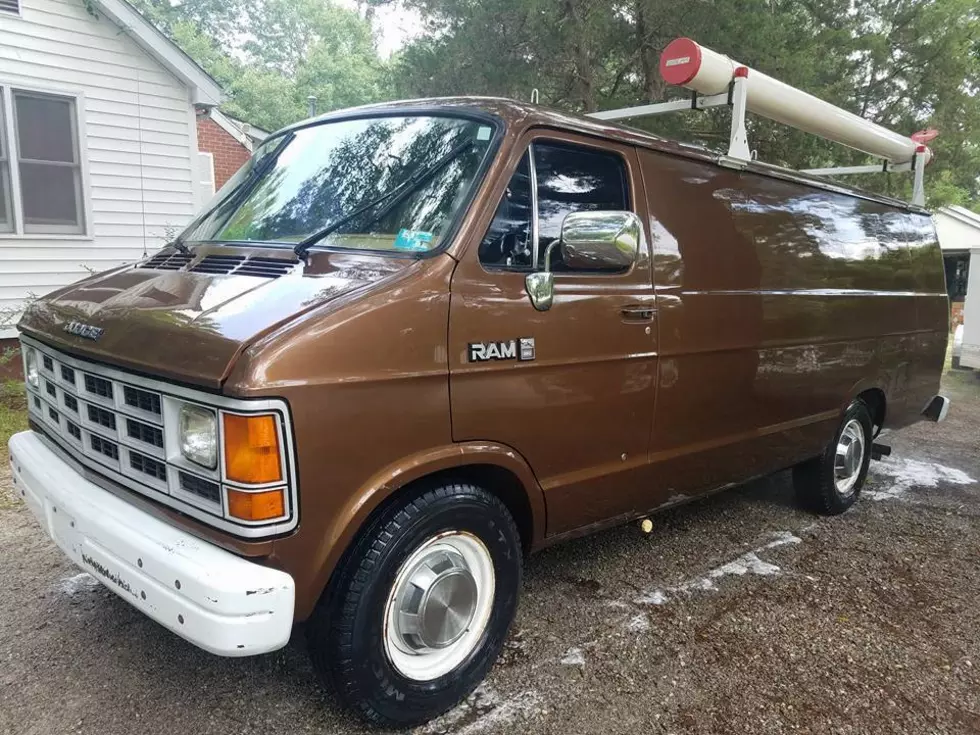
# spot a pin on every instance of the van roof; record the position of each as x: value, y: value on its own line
x: 525, y: 114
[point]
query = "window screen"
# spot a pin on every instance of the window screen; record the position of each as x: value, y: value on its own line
x: 48, y: 163
x: 570, y: 179
x: 10, y: 6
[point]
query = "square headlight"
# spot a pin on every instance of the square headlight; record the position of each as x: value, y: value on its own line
x: 199, y: 435
x: 30, y: 358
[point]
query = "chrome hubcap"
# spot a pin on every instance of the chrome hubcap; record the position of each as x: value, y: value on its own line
x: 439, y: 605
x: 849, y: 457
x: 436, y: 602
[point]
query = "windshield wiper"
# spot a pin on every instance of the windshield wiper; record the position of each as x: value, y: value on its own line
x: 234, y: 196
x: 396, y: 195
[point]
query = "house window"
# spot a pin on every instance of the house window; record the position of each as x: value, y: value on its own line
x: 10, y: 6
x: 40, y: 165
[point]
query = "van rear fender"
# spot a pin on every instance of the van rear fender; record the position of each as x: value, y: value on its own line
x: 449, y: 461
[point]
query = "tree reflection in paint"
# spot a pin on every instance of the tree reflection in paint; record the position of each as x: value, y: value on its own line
x: 331, y: 169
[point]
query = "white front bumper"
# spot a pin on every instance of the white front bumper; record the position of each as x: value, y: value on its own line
x: 216, y: 600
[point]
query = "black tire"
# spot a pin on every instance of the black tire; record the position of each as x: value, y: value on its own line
x: 814, y: 480
x: 346, y: 632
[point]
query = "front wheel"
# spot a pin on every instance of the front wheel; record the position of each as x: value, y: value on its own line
x: 422, y: 605
x: 830, y: 484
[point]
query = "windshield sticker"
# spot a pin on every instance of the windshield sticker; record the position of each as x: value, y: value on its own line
x: 483, y: 133
x: 413, y: 240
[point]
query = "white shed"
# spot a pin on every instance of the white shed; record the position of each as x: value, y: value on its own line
x: 98, y: 142
x: 959, y: 238
x: 959, y: 234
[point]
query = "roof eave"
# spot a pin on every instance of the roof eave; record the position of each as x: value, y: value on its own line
x: 204, y: 91
x: 962, y: 215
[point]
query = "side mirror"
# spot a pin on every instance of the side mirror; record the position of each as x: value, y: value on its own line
x: 590, y: 241
x: 600, y: 241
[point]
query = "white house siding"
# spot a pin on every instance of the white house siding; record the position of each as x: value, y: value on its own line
x: 957, y: 230
x: 138, y: 144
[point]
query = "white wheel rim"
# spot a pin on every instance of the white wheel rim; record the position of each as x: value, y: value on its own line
x: 439, y: 606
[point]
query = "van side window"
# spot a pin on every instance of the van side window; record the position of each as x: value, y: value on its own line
x: 574, y: 179
x: 570, y: 179
x: 507, y: 243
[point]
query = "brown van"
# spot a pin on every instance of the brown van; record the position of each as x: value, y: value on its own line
x: 410, y: 343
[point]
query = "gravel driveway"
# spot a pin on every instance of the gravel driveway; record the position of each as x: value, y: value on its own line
x: 738, y: 613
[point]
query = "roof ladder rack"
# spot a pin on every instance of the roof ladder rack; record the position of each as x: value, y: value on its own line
x: 717, y: 81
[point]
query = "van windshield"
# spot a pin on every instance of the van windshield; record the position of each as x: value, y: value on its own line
x: 383, y: 183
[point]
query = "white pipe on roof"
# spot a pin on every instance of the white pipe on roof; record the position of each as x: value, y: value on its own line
x: 688, y: 64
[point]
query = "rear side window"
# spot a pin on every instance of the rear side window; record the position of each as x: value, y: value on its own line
x: 570, y: 178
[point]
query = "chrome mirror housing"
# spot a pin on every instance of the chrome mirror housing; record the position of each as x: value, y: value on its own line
x: 592, y: 241
x: 540, y: 287
x: 600, y: 241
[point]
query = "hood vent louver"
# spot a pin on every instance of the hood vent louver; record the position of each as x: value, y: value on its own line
x: 217, y: 264
x: 241, y: 265
x: 172, y: 261
x: 265, y: 267
x: 220, y: 264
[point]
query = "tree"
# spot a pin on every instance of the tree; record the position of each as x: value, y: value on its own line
x: 907, y: 64
x: 270, y: 55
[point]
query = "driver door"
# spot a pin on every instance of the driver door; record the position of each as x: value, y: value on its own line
x: 571, y: 388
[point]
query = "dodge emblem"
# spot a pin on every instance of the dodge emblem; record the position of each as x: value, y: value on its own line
x: 86, y: 331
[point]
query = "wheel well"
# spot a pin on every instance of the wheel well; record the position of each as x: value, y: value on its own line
x: 874, y: 398
x: 501, y: 482
x: 494, y: 479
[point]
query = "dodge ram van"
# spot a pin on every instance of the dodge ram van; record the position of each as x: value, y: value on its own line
x: 410, y: 343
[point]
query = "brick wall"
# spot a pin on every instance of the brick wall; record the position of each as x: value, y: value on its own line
x: 956, y: 313
x: 228, y: 153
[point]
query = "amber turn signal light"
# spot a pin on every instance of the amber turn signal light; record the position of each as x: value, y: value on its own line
x: 252, y: 448
x: 260, y: 506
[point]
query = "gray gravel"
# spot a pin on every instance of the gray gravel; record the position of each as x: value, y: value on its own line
x: 769, y: 620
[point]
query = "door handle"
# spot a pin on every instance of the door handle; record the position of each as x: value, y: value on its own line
x: 639, y: 313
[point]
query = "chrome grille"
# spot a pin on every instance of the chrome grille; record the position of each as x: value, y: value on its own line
x: 150, y: 466
x: 199, y: 487
x: 98, y: 387
x: 144, y: 433
x: 124, y: 426
x: 103, y: 418
x: 141, y: 399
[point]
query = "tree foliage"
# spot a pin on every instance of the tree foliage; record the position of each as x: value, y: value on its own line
x: 270, y: 55
x: 907, y: 64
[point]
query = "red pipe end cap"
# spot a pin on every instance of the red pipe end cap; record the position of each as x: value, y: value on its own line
x: 680, y: 62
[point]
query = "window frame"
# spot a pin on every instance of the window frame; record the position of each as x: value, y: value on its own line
x: 8, y: 89
x: 547, y: 136
x: 6, y: 202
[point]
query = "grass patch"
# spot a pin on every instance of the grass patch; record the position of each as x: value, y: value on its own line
x: 13, y: 418
x: 13, y: 412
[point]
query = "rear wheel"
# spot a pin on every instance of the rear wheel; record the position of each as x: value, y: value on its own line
x: 830, y: 484
x: 422, y: 605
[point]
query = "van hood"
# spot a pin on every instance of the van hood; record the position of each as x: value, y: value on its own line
x: 188, y: 319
